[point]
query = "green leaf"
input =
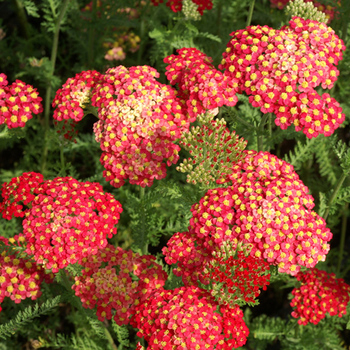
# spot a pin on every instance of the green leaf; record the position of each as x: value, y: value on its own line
x: 31, y: 8
x: 26, y: 316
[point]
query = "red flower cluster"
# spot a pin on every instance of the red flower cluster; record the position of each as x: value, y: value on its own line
x: 20, y: 278
x: 186, y: 318
x: 108, y: 282
x: 66, y: 220
x: 17, y: 102
x: 139, y: 346
x: 19, y: 190
x: 236, y: 276
x: 266, y: 207
x: 176, y: 5
x: 280, y: 69
x: 139, y: 120
x: 327, y: 9
x: 320, y: 293
x: 201, y: 86
x: 71, y: 99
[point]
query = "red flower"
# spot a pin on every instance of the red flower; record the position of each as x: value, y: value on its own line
x: 266, y: 207
x: 235, y: 276
x: 176, y: 5
x: 20, y: 277
x: 69, y: 220
x: 20, y: 189
x: 320, y: 293
x: 187, y: 317
x: 278, y: 68
x: 200, y: 84
x: 18, y: 102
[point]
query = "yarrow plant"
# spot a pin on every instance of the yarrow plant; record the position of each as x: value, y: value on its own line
x: 19, y: 192
x: 211, y: 141
x: 18, y: 102
x: 201, y: 86
x: 187, y: 318
x: 320, y: 293
x: 75, y: 94
x: 235, y: 276
x: 20, y: 277
x: 139, y: 120
x: 243, y: 211
x: 280, y: 69
x: 66, y: 220
x: 307, y: 8
x: 266, y: 207
x: 108, y: 282
x: 123, y: 43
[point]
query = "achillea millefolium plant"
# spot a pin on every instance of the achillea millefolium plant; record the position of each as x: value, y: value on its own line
x: 174, y: 175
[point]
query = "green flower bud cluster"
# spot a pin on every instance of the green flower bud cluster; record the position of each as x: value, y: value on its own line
x: 190, y: 10
x: 305, y: 10
x: 214, y: 149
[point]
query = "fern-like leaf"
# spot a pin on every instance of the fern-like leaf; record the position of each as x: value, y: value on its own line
x: 62, y: 341
x: 324, y: 160
x: 301, y: 153
x: 343, y: 153
x: 31, y: 8
x: 26, y: 316
x: 122, y: 334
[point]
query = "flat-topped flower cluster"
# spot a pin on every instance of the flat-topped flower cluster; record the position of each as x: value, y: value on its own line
x: 280, y: 69
x: 65, y: 220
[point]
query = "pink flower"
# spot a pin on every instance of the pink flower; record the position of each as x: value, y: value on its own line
x: 266, y: 206
x: 108, y: 282
x: 116, y: 54
x: 75, y: 94
x: 139, y: 121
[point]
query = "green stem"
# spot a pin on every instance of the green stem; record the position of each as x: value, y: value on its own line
x: 260, y: 132
x: 342, y: 237
x: 22, y: 18
x: 49, y: 86
x: 143, y: 219
x: 218, y: 18
x: 63, y: 164
x: 92, y: 35
x: 109, y: 338
x: 68, y: 285
x: 143, y: 32
x: 269, y: 128
x: 241, y: 120
x: 335, y: 193
x: 250, y: 14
